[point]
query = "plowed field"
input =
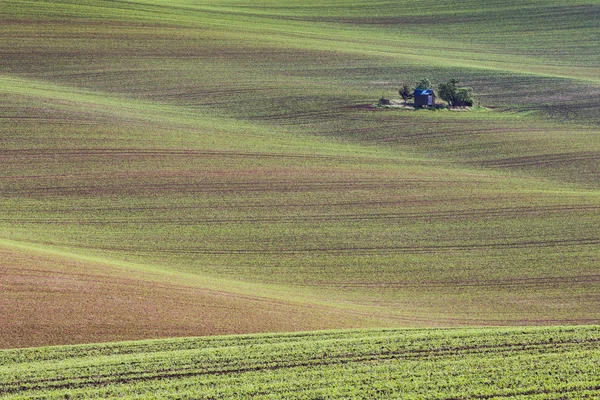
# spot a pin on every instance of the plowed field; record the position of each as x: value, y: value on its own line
x: 174, y: 168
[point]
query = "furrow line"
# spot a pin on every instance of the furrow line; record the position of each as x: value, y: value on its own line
x: 413, y: 354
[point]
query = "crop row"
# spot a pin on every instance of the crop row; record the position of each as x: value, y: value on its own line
x: 470, y: 363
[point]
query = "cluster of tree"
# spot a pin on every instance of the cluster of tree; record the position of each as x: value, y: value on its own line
x: 454, y: 95
x: 449, y: 92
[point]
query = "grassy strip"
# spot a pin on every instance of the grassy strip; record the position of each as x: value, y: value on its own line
x: 470, y: 363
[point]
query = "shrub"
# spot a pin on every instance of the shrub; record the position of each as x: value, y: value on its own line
x: 424, y: 83
x: 454, y: 95
x: 406, y: 93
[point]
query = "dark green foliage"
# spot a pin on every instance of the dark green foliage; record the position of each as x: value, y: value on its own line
x: 405, y: 92
x: 454, y: 95
x: 424, y: 83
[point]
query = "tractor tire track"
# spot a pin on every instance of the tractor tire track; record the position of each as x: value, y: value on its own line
x: 502, y: 212
x: 279, y: 364
x: 415, y: 249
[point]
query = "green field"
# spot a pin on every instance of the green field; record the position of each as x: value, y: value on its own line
x: 174, y: 168
x: 194, y: 168
x: 520, y: 363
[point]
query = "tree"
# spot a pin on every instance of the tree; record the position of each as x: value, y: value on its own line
x: 405, y: 92
x: 447, y: 91
x: 424, y: 83
x: 454, y: 95
x: 464, y: 97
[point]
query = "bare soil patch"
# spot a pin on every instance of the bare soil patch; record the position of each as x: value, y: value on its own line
x: 47, y: 300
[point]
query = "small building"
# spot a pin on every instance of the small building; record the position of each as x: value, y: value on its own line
x: 424, y: 97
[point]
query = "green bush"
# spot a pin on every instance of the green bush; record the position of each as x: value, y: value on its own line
x: 454, y: 95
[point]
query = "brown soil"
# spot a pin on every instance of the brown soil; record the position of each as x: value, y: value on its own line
x: 48, y: 300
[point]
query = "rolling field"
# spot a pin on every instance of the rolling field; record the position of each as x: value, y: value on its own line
x: 214, y: 166
x: 516, y: 363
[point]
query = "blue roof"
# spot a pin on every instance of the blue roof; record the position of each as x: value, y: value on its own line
x: 423, y: 92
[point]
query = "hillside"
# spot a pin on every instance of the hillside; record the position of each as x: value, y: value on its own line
x: 517, y: 363
x: 210, y: 165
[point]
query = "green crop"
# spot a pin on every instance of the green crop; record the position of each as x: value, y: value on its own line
x: 541, y: 363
